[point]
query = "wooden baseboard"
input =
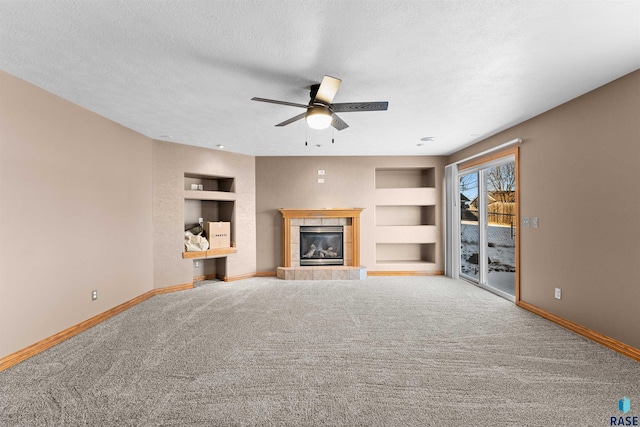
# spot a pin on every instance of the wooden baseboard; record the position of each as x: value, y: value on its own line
x: 175, y: 288
x: 40, y: 346
x: 205, y: 277
x: 234, y: 278
x: 265, y: 274
x: 604, y: 340
x: 405, y: 273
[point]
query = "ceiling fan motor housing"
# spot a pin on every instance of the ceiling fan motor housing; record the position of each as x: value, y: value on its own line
x: 313, y: 91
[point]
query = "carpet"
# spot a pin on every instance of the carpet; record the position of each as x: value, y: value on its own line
x: 385, y: 351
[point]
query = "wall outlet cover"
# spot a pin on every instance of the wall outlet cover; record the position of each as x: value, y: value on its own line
x: 558, y: 293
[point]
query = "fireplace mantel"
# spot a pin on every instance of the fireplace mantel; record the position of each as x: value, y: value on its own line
x: 352, y: 214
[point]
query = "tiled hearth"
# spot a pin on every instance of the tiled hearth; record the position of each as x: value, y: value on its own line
x: 322, y: 273
x: 294, y: 218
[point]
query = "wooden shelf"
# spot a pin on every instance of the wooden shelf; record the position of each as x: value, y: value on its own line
x: 211, y: 253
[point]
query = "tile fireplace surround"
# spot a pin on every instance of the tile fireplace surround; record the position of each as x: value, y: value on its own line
x: 292, y: 219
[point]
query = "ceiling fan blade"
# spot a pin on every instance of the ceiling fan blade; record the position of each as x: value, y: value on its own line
x: 273, y: 101
x: 338, y: 123
x: 348, y: 107
x: 292, y: 119
x: 327, y: 89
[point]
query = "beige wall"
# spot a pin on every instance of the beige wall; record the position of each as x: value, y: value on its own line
x: 75, y: 214
x: 580, y: 174
x: 88, y: 204
x: 170, y: 162
x: 291, y: 182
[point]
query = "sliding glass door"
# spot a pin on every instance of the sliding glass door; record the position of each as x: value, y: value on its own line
x: 488, y: 225
x: 469, y: 226
x: 501, y: 225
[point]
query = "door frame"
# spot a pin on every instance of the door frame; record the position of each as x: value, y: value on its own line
x: 452, y: 252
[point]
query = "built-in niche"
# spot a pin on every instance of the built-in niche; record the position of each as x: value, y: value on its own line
x: 405, y: 253
x: 406, y: 178
x: 405, y: 215
x: 209, y: 198
x: 406, y: 218
x: 208, y: 183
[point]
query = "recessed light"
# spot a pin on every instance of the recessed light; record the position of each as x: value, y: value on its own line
x: 427, y: 139
x: 166, y: 136
x: 220, y: 146
x: 419, y: 144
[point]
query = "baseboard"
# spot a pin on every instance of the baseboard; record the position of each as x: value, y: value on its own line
x: 265, y: 274
x: 405, y: 273
x: 169, y: 289
x: 40, y: 346
x: 234, y: 278
x: 205, y: 277
x: 604, y: 340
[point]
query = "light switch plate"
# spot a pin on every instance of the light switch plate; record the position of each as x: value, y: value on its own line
x: 558, y: 293
x: 525, y: 221
x: 535, y: 222
x: 320, y: 171
x: 320, y: 180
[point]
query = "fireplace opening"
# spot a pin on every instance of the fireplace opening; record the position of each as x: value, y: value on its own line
x: 321, y: 245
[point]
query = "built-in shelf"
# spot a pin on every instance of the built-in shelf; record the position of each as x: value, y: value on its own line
x: 209, y: 198
x: 405, y: 253
x: 406, y: 234
x: 406, y: 201
x: 210, y: 253
x: 209, y: 195
x: 405, y: 215
x: 209, y: 182
x: 406, y: 197
x: 405, y: 177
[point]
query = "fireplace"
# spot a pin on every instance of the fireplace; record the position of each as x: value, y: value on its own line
x: 321, y: 245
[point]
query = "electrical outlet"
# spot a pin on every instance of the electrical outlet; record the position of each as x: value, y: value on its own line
x: 535, y: 222
x: 200, y: 221
x: 525, y: 221
x: 320, y: 180
x: 558, y: 293
x: 196, y: 263
x: 320, y: 171
x: 94, y: 295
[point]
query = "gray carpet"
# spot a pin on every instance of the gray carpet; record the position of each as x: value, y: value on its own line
x: 380, y: 352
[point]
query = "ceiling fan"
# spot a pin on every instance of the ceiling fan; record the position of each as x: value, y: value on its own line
x: 321, y: 113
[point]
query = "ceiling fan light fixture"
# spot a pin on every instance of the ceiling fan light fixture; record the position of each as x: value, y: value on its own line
x: 318, y: 117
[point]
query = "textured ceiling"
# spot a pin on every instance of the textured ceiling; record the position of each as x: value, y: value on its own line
x: 185, y: 71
